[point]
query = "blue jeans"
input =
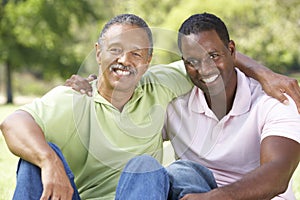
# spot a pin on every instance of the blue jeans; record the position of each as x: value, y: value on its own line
x: 29, y: 185
x: 144, y: 178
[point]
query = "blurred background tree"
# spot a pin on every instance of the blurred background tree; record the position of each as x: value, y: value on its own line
x: 44, y: 37
x: 52, y: 39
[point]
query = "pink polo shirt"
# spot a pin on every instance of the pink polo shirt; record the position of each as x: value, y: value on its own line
x: 230, y: 147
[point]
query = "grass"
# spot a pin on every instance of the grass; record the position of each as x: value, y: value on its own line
x: 8, y: 164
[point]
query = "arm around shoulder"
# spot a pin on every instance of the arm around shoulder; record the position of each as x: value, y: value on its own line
x: 274, y: 84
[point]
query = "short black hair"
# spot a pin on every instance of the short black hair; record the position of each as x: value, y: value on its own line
x: 130, y: 19
x: 203, y: 22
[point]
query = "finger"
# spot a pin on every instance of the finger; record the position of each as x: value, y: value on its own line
x: 69, y: 194
x: 294, y: 90
x: 279, y: 95
x: 46, y: 194
x: 294, y: 93
x: 92, y: 77
x: 67, y: 83
x: 54, y: 197
x: 185, y: 197
x: 65, y: 194
x: 82, y: 91
x: 70, y: 81
x: 85, y: 89
x: 282, y: 98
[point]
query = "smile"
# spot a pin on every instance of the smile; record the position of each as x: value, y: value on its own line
x: 122, y: 70
x: 210, y: 79
x: 122, y: 73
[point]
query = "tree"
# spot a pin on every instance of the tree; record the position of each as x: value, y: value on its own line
x: 268, y: 31
x: 52, y: 37
x: 39, y: 35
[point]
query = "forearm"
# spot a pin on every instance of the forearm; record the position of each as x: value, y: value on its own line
x: 279, y: 159
x: 251, y: 67
x: 25, y: 139
x: 263, y: 183
x: 273, y: 84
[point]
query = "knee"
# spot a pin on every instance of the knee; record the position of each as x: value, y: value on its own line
x: 189, y: 171
x: 188, y: 167
x: 142, y: 164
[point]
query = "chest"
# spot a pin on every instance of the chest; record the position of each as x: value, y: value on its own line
x: 233, y: 142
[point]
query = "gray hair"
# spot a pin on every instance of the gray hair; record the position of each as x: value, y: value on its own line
x: 130, y: 19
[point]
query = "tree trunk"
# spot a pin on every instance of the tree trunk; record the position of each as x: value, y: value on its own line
x: 9, y: 95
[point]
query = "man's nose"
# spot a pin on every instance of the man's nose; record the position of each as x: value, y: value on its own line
x: 205, y: 65
x: 124, y: 58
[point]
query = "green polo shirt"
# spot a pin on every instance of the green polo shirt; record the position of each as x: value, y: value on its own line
x: 97, y: 139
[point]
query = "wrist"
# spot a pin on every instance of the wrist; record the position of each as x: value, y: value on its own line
x: 47, y: 158
x: 221, y: 193
x: 262, y: 74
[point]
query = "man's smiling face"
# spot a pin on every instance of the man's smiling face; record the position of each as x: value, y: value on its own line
x: 208, y: 62
x: 124, y: 56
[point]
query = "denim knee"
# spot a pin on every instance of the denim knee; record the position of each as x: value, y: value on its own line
x: 142, y: 164
x: 62, y: 158
x: 29, y: 184
x: 143, y: 178
x: 189, y: 177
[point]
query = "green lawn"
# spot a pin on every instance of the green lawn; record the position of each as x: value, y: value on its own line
x: 8, y: 164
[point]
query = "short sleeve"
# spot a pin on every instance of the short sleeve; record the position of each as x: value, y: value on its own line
x: 54, y: 113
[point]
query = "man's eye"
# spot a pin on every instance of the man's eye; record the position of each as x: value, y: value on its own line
x: 115, y: 50
x: 193, y: 62
x: 214, y: 56
x: 136, y: 54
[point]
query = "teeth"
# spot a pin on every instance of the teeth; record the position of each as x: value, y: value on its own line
x: 121, y: 70
x: 210, y: 79
x: 122, y: 73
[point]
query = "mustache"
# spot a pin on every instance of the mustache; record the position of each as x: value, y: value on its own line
x: 132, y: 70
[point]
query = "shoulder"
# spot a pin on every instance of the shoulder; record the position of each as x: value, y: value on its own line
x: 60, y: 98
x: 61, y: 95
x: 163, y: 72
x: 169, y: 77
x: 179, y: 105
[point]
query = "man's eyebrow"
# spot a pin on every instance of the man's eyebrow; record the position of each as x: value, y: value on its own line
x: 214, y: 51
x: 139, y: 48
x: 114, y: 44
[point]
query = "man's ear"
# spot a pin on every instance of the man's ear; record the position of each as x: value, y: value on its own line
x: 231, y: 47
x: 149, y: 59
x: 98, y: 52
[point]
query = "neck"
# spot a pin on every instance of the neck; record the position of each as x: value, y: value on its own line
x: 116, y: 97
x: 219, y: 105
x: 222, y: 103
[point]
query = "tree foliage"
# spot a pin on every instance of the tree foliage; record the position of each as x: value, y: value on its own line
x: 53, y: 37
x: 37, y: 34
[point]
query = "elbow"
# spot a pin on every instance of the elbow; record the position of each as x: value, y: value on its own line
x: 4, y: 126
x: 282, y: 188
x: 9, y: 125
x: 282, y: 184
